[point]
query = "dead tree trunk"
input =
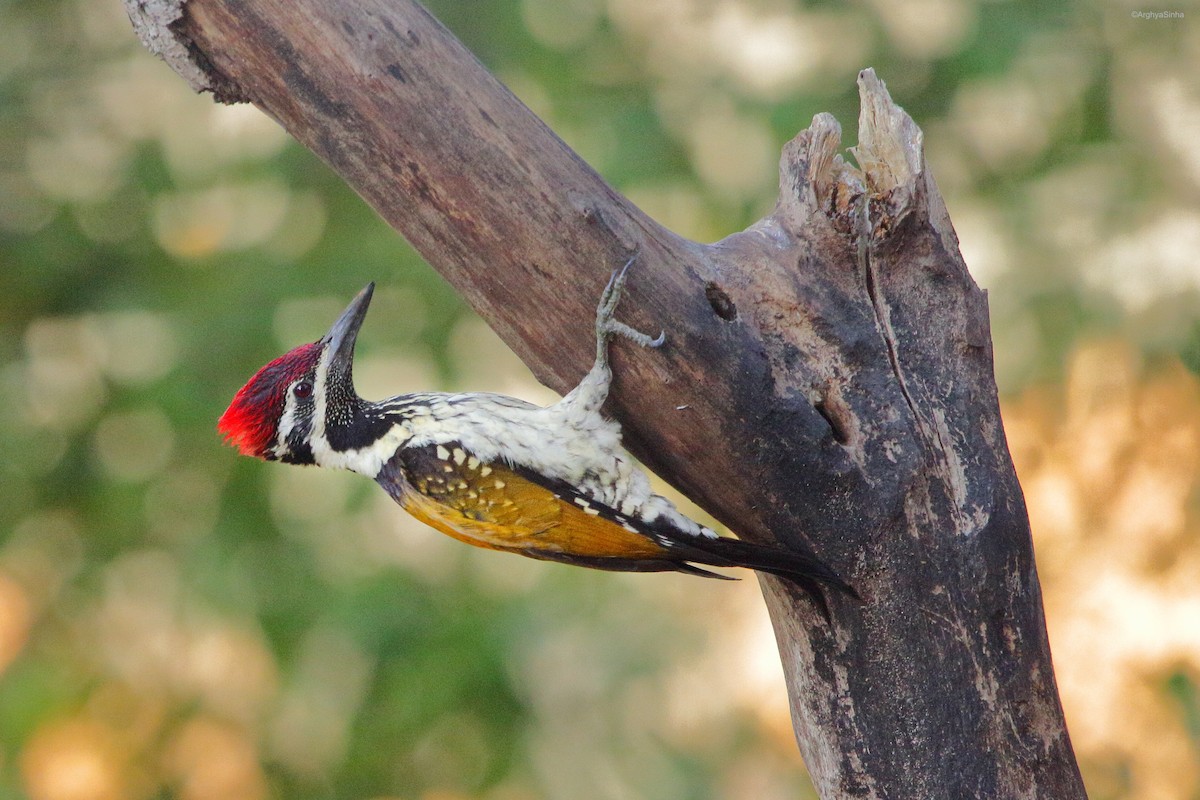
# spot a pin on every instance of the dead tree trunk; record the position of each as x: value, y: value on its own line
x: 827, y: 379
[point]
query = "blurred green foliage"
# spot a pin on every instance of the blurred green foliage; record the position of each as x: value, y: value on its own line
x: 175, y: 620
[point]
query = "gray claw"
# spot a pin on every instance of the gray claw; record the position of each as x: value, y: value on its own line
x: 634, y: 335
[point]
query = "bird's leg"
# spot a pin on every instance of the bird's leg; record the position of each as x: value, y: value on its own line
x: 592, y: 391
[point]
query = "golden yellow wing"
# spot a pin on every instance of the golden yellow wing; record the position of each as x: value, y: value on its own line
x: 491, y: 505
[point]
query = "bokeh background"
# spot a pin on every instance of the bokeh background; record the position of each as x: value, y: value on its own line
x: 176, y: 621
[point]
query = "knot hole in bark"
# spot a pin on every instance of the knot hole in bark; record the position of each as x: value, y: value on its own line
x: 837, y: 425
x: 721, y: 303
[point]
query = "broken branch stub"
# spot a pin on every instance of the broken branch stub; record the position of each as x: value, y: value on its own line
x: 942, y: 682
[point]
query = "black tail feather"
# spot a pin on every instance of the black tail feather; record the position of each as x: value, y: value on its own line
x: 803, y: 570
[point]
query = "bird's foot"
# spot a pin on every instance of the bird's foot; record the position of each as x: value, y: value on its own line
x: 607, y: 326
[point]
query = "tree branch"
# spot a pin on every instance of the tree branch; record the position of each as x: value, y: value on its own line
x: 827, y: 380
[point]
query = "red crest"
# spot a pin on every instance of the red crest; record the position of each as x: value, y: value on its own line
x: 250, y: 422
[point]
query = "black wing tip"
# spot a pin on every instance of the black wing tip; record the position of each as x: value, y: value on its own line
x: 692, y: 569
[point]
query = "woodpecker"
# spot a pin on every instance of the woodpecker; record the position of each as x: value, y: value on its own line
x: 551, y: 483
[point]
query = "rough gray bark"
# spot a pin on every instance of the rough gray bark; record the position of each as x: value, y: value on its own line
x: 827, y: 379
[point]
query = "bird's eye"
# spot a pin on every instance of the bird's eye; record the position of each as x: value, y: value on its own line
x: 302, y: 390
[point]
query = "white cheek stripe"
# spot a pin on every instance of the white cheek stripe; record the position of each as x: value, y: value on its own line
x: 287, y: 422
x: 318, y: 428
x: 317, y: 441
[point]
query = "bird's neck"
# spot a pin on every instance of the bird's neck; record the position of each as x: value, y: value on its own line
x: 362, y: 435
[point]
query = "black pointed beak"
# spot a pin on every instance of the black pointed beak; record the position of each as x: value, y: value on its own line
x: 341, y: 337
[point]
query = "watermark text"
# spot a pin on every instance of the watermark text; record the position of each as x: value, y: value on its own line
x: 1156, y: 14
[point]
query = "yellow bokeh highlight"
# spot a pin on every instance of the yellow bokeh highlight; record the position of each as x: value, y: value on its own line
x: 211, y: 760
x: 79, y: 759
x: 15, y: 619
